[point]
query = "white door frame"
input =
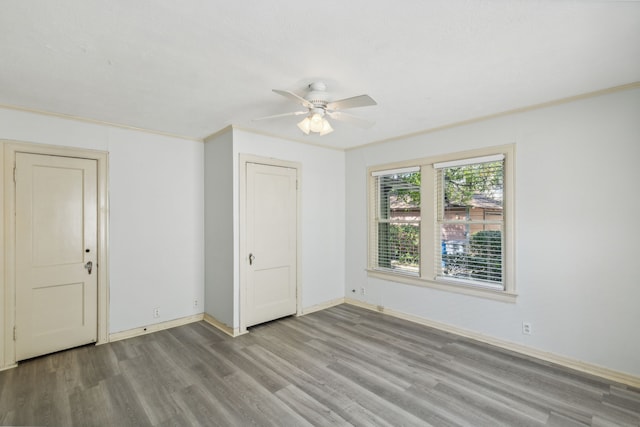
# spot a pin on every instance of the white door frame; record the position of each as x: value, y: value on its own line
x: 243, y: 255
x: 7, y: 294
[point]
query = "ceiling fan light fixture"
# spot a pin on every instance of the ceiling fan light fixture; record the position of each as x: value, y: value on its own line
x: 315, y: 123
x: 305, y: 125
x: 326, y: 127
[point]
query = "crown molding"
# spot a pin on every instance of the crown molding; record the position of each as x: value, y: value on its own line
x: 96, y: 122
x: 552, y: 103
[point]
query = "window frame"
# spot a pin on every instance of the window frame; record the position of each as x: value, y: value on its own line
x: 428, y: 226
x: 376, y: 221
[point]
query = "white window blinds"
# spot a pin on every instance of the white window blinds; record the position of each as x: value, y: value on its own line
x: 396, y: 220
x: 470, y: 221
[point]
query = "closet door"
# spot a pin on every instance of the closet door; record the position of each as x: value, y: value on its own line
x: 271, y: 230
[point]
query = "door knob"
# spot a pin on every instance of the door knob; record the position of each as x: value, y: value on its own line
x: 89, y: 266
x: 251, y: 258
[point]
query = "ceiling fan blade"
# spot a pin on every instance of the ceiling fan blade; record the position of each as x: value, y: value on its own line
x: 275, y: 116
x: 353, y: 102
x: 294, y: 97
x: 351, y: 119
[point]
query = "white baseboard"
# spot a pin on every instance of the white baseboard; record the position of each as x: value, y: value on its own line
x: 4, y: 368
x: 232, y: 332
x: 143, y: 330
x: 322, y: 306
x: 567, y: 362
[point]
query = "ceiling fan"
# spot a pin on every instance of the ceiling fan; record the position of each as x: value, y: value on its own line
x: 318, y: 106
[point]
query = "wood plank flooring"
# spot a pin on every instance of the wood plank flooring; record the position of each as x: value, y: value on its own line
x: 341, y: 366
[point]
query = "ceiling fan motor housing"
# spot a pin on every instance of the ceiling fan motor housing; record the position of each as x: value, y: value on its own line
x: 317, y: 95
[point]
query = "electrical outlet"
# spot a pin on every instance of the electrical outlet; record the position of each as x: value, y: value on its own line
x: 156, y: 312
x: 363, y: 291
x: 195, y: 303
x: 526, y: 328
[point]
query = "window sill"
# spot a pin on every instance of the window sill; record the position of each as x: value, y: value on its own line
x: 494, y: 294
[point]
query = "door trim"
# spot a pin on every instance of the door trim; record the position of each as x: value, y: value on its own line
x: 243, y: 251
x: 7, y: 296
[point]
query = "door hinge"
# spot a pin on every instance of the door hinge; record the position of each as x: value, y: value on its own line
x: 14, y: 172
x: 296, y: 179
x: 14, y: 333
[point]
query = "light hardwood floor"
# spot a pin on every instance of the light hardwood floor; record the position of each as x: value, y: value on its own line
x: 341, y: 366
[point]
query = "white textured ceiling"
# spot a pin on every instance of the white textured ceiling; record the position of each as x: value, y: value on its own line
x: 192, y: 67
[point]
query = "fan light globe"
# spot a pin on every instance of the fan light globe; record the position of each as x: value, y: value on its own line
x: 316, y: 123
x: 304, y: 125
x: 326, y: 127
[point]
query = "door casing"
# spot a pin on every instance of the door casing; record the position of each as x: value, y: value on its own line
x: 243, y: 249
x: 7, y: 296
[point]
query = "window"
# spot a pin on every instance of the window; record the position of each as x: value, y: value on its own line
x: 445, y: 222
x: 469, y: 220
x: 397, y: 220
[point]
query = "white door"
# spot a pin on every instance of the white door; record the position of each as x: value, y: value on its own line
x: 271, y: 243
x: 56, y: 238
